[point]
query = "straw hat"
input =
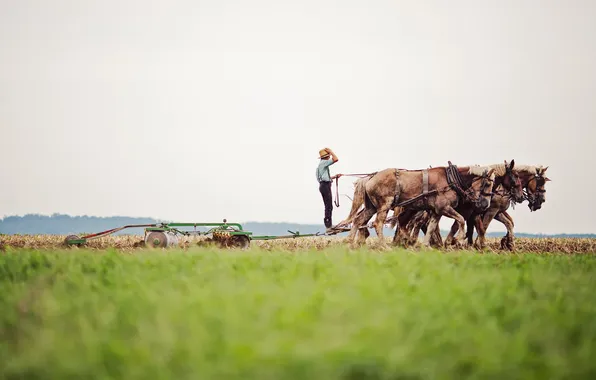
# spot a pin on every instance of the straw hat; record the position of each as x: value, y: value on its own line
x: 323, y: 153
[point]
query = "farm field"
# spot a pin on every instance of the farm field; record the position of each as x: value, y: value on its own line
x: 129, y: 243
x: 277, y: 311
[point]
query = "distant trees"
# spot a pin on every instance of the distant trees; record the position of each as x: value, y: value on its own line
x: 62, y: 224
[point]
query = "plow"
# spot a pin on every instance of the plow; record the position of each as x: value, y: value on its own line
x: 165, y: 235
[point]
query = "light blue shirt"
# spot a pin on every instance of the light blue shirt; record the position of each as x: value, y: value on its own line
x: 323, y: 170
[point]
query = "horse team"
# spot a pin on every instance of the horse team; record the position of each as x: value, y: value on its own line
x: 471, y: 195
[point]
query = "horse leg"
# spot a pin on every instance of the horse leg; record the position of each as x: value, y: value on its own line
x: 438, y: 239
x: 450, y: 237
x: 402, y: 220
x: 480, y: 228
x: 400, y: 238
x: 422, y: 222
x: 435, y: 236
x: 510, y: 241
x: 433, y: 224
x: 507, y: 242
x: 415, y: 231
x: 411, y: 228
x: 359, y: 222
x: 396, y: 235
x: 354, y: 230
x: 482, y: 223
x: 362, y: 224
x: 362, y: 234
x: 450, y: 212
x: 470, y: 224
x: 506, y: 215
x: 380, y: 221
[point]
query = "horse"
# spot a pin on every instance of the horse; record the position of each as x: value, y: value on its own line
x: 507, y: 185
x: 529, y: 180
x: 438, y: 189
x: 533, y: 182
x: 507, y: 188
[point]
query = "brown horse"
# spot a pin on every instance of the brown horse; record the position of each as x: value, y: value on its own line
x: 528, y: 178
x: 438, y: 189
x: 507, y: 185
x: 507, y: 188
x: 533, y: 182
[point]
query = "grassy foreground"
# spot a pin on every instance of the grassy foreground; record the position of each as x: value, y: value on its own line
x: 332, y: 314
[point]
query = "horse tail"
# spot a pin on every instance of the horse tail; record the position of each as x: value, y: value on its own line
x: 393, y: 220
x: 358, y: 200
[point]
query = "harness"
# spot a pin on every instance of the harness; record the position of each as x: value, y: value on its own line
x: 502, y: 191
x: 456, y: 183
x: 454, y: 180
x: 425, y: 192
x: 539, y: 190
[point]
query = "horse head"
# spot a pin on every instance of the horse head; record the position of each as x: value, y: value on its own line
x: 535, y: 191
x: 482, y: 189
x: 512, y: 183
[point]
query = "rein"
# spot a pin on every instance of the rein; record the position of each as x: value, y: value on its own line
x: 361, y: 175
x: 357, y: 174
x: 336, y: 201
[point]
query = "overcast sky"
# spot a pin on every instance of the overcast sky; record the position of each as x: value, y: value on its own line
x: 204, y: 110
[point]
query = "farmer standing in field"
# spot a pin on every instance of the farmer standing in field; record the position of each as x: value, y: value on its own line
x: 324, y: 178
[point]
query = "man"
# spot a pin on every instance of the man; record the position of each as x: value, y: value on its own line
x: 324, y: 179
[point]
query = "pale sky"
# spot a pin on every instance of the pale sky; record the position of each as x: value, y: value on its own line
x: 203, y: 110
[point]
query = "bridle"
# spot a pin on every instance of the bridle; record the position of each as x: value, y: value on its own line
x: 532, y: 196
x: 486, y: 182
x: 506, y: 191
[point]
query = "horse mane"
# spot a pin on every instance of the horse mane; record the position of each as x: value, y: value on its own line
x: 478, y: 170
x: 526, y: 169
x: 500, y: 169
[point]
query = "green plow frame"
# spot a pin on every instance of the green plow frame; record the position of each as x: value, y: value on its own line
x: 225, y: 228
x: 292, y: 235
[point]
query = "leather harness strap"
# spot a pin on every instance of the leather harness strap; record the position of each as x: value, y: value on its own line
x: 336, y: 192
x: 425, y: 181
x: 454, y: 179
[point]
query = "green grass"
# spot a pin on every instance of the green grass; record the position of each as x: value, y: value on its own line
x: 336, y: 314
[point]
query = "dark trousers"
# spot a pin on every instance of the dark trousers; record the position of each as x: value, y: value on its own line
x: 325, y: 189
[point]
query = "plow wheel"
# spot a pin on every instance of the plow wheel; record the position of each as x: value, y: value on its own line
x: 72, y: 237
x: 240, y: 241
x: 226, y: 240
x: 160, y: 239
x: 156, y: 239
